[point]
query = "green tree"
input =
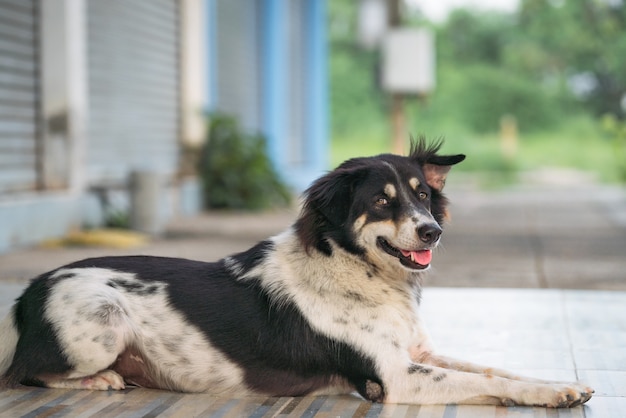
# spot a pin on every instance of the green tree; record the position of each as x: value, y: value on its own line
x: 583, y: 40
x: 488, y: 69
x: 469, y: 37
x: 356, y: 100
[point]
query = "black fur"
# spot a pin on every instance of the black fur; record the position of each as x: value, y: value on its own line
x: 282, y: 354
x: 38, y: 349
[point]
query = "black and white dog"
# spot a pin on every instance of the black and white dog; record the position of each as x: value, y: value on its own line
x: 329, y: 306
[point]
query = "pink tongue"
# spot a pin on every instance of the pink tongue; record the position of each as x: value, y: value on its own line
x: 422, y: 257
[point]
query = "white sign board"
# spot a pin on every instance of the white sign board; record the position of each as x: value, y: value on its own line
x: 408, y: 61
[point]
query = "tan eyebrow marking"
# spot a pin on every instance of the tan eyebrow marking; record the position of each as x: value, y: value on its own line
x: 414, y: 182
x: 390, y: 190
x: 358, y: 224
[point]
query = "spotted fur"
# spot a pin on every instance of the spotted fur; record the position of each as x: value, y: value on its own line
x: 331, y: 305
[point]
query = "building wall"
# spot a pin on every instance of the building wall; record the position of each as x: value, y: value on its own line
x: 92, y: 90
x: 270, y: 72
x: 19, y: 96
x: 237, y: 58
x: 133, y: 49
x: 104, y: 81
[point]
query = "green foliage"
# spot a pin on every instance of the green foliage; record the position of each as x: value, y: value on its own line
x: 470, y: 38
x: 489, y: 93
x: 117, y: 218
x: 578, y: 141
x: 582, y: 37
x: 357, y: 104
x: 236, y: 171
x: 488, y: 69
x: 524, y: 64
x: 616, y: 131
x: 355, y: 99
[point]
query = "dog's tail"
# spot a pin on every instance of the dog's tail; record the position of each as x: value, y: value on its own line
x: 8, y: 343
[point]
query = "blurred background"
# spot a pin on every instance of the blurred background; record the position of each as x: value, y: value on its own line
x: 132, y: 112
x: 519, y: 85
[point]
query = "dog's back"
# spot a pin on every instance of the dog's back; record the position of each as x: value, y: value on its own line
x: 175, y: 324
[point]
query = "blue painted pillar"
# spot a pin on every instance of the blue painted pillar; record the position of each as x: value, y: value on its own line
x: 276, y: 106
x: 275, y: 79
x: 317, y: 135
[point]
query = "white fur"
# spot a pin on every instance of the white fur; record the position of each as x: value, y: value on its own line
x: 146, y: 322
x: 9, y: 336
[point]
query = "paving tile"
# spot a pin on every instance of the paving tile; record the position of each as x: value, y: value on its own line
x: 592, y: 339
x: 601, y: 359
x: 597, y: 298
x: 605, y: 382
x: 603, y: 407
x: 485, y: 338
x: 505, y: 309
x: 607, y: 311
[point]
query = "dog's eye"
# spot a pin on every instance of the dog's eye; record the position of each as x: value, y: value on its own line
x: 381, y: 201
x: 422, y: 195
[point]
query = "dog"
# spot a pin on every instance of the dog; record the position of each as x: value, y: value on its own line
x: 329, y: 306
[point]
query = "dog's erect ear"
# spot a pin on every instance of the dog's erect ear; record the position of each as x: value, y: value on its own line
x: 435, y: 167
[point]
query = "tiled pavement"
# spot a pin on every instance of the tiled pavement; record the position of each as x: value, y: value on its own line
x: 502, y: 293
x: 552, y: 334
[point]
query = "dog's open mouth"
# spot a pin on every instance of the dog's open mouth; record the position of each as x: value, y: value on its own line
x: 416, y: 260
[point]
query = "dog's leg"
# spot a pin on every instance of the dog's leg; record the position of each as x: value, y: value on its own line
x: 76, y: 336
x: 104, y: 380
x: 426, y: 384
x: 337, y: 386
x: 465, y: 366
x: 423, y: 354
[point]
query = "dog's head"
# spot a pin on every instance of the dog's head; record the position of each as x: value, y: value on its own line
x: 389, y: 209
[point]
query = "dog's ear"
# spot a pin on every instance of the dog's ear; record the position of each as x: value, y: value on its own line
x: 329, y: 195
x: 434, y: 166
x: 327, y: 203
x: 436, y: 169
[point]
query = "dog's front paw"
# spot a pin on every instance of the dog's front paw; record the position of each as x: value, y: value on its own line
x: 557, y: 395
x: 105, y: 380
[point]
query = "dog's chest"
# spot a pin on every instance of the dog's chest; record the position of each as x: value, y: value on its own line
x: 389, y: 325
x: 341, y: 299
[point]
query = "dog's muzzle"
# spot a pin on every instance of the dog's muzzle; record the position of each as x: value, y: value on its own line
x: 413, y: 259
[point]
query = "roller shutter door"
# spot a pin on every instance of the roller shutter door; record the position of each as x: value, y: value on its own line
x: 237, y: 59
x: 19, y: 100
x: 133, y: 88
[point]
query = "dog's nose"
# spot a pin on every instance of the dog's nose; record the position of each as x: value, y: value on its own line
x: 430, y: 233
